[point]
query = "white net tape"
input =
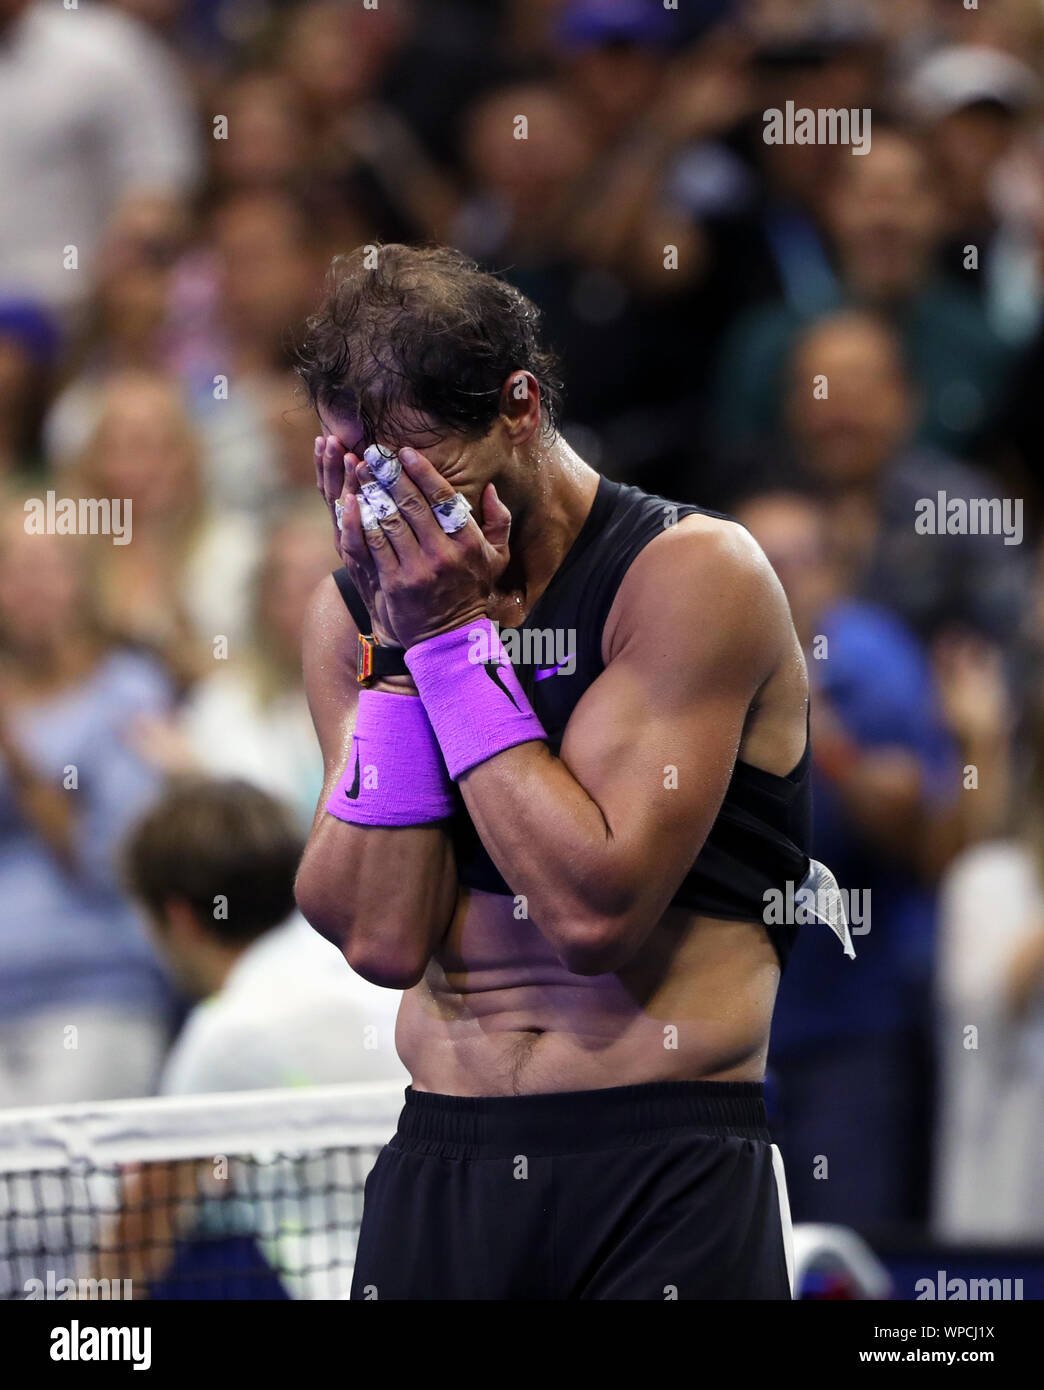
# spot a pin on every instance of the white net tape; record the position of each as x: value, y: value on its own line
x: 248, y: 1195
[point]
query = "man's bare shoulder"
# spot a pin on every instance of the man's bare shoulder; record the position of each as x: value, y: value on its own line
x: 708, y: 577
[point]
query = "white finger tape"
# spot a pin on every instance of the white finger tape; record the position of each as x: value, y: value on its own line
x: 383, y: 505
x: 367, y: 516
x: 385, y: 467
x: 453, y: 515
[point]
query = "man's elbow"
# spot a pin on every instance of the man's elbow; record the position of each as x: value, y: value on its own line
x: 313, y: 903
x: 373, y: 954
x: 601, y: 946
x: 385, y: 966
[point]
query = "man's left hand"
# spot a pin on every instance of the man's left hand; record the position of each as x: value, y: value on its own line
x: 432, y: 582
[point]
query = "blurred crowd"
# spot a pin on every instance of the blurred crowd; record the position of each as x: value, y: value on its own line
x: 177, y: 175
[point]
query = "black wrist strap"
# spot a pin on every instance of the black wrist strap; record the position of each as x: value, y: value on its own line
x: 352, y: 600
x: 390, y: 661
x: 374, y: 660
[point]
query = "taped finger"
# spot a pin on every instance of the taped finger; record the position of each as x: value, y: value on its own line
x: 384, y: 465
x: 367, y: 516
x: 380, y: 503
x: 453, y: 515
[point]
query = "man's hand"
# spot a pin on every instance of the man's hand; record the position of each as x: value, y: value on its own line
x: 335, y: 478
x: 330, y: 477
x: 362, y: 573
x: 428, y: 582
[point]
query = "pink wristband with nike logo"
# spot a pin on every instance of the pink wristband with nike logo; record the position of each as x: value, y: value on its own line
x: 395, y: 774
x: 472, y: 695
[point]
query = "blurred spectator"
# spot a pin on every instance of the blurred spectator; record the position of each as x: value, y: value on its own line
x: 975, y: 684
x: 213, y: 865
x: 1016, y: 442
x: 666, y: 172
x: 29, y: 346
x: 267, y: 145
x: 991, y: 1030
x: 182, y: 582
x: 95, y: 115
x: 160, y: 15
x: 885, y: 218
x: 234, y: 301
x: 338, y: 57
x: 819, y: 57
x: 850, y: 1047
x: 250, y: 717
x: 853, y: 447
x: 82, y: 1001
x: 525, y: 191
x: 267, y: 275
x: 124, y: 315
x: 611, y: 53
x: 971, y: 101
x: 581, y: 212
x: 1011, y: 26
x: 450, y: 52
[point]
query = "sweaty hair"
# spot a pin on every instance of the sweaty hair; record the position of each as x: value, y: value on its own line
x: 225, y: 847
x: 407, y: 329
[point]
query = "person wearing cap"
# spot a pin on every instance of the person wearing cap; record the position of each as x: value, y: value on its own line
x: 972, y: 104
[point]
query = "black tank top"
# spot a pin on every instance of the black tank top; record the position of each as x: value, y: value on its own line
x: 760, y: 838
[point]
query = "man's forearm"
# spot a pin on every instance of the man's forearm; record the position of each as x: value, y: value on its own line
x: 383, y: 895
x: 550, y: 839
x: 378, y: 875
x: 553, y: 846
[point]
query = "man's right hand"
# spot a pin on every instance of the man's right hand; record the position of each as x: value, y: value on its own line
x: 335, y: 478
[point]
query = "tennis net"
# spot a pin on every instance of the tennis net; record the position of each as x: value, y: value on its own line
x: 248, y: 1195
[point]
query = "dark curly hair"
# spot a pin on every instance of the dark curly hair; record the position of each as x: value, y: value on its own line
x: 404, y: 329
x: 207, y: 838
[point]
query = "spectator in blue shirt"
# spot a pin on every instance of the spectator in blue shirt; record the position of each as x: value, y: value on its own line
x: 849, y: 1042
x: 82, y: 999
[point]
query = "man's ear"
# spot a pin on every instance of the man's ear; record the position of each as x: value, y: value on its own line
x: 181, y: 925
x: 520, y: 406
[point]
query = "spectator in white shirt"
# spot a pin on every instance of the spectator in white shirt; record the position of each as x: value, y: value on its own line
x: 94, y: 115
x: 182, y: 588
x: 990, y: 980
x: 213, y: 865
x: 249, y: 716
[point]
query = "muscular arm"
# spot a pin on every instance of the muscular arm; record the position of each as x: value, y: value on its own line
x: 382, y: 895
x: 599, y: 839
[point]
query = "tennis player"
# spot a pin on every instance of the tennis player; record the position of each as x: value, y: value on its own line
x: 565, y: 727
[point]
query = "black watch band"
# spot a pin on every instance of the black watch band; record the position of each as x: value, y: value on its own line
x: 375, y: 660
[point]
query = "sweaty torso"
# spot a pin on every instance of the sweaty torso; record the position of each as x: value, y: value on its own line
x: 498, y: 1014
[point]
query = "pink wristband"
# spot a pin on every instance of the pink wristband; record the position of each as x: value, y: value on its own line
x: 472, y: 695
x: 395, y: 774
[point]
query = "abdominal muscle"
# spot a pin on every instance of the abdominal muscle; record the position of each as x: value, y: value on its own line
x: 497, y: 1014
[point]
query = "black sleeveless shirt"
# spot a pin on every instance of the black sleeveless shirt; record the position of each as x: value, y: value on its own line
x: 760, y: 838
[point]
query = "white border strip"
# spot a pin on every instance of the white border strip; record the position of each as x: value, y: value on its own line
x: 784, y: 1213
x: 102, y: 1133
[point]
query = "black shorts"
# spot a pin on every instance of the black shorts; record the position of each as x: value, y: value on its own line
x: 662, y: 1191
